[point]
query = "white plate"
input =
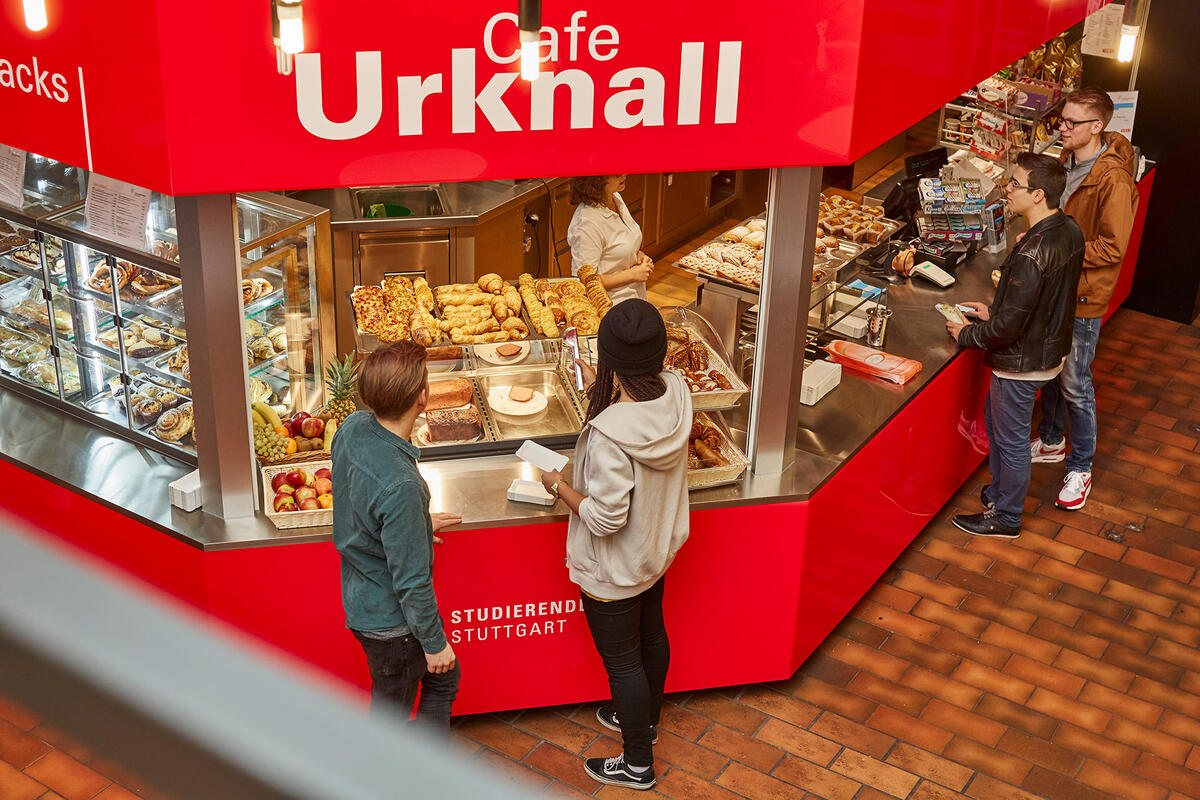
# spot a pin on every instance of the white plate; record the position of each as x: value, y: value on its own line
x: 499, y: 401
x: 488, y: 353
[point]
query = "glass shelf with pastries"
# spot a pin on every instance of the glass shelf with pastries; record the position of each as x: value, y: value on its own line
x: 50, y: 186
x: 161, y: 243
x: 281, y: 255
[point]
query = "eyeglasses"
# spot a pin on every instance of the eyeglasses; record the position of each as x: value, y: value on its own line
x: 1069, y: 124
x: 1012, y: 184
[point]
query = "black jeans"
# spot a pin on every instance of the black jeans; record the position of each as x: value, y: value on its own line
x: 632, y: 641
x: 397, y: 668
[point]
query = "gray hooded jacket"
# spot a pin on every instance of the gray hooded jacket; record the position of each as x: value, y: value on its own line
x: 631, y: 465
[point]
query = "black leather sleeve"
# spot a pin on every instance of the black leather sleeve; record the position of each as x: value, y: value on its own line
x: 1009, y: 320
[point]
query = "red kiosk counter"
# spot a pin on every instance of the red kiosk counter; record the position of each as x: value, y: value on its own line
x: 835, y: 491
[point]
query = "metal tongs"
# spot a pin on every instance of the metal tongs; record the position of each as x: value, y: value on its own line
x: 571, y: 340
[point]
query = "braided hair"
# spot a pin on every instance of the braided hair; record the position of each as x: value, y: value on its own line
x: 607, y: 388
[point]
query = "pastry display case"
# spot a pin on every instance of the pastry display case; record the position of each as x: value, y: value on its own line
x: 99, y: 329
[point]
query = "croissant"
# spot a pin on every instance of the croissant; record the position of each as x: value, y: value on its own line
x: 474, y: 298
x: 710, y: 456
x: 512, y: 298
x: 515, y: 328
x: 424, y: 328
x: 571, y: 289
x: 491, y: 283
x: 500, y: 309
x: 542, y: 286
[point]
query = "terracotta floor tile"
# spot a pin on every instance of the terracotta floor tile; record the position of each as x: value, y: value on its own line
x: 868, y: 658
x: 561, y: 765
x: 682, y: 785
x: 799, y: 742
x: 1097, y: 747
x: 775, y: 704
x: 1004, y: 613
x: 926, y: 764
x: 1165, y: 773
x: 1054, y: 786
x: 1039, y: 674
x: 903, y: 726
x: 114, y: 792
x: 510, y: 772
x: 18, y: 715
x: 68, y: 777
x: 695, y: 759
x: 14, y: 785
x: 964, y: 723
x: 850, y: 734
x: 1144, y: 739
x: 874, y: 773
x: 1119, y: 782
x: 1009, y: 769
x: 19, y: 748
x: 738, y: 746
x: 931, y: 791
x: 993, y: 681
x: 931, y: 658
x: 727, y: 712
x: 806, y: 775
x: 490, y: 731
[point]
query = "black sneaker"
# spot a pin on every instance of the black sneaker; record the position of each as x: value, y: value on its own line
x: 608, y: 718
x: 615, y: 772
x: 983, y: 497
x: 986, y: 524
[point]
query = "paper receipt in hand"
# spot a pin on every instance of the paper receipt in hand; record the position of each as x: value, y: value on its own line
x: 543, y: 458
x: 951, y: 313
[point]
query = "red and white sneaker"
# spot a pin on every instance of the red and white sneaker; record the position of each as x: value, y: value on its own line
x: 1048, y: 453
x: 1076, y: 488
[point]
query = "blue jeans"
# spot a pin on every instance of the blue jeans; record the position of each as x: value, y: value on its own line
x: 1072, y: 399
x: 1008, y: 414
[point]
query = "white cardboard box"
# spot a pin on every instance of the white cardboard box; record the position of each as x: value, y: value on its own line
x: 530, y: 492
x: 185, y: 492
x: 819, y: 379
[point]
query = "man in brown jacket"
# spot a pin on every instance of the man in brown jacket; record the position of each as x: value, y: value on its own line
x: 1101, y: 197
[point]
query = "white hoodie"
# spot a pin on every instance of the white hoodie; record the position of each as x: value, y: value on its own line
x: 631, y: 465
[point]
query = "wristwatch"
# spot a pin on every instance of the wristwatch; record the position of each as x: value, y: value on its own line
x: 554, y: 488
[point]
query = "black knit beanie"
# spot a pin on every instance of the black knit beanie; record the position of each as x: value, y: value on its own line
x: 633, y: 339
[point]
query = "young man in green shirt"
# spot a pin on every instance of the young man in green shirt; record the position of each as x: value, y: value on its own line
x: 384, y: 533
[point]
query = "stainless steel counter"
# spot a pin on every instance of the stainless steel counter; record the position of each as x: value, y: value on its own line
x: 134, y: 481
x: 464, y: 204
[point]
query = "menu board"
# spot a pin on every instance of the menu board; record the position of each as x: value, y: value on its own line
x: 12, y: 175
x: 117, y: 211
x: 1124, y: 110
x: 1102, y: 31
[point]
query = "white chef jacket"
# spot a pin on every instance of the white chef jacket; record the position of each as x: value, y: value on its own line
x: 609, y: 241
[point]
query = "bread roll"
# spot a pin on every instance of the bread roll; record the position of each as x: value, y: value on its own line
x: 449, y: 394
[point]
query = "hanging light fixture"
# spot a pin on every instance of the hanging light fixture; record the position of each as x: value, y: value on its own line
x: 287, y: 29
x: 35, y: 14
x: 529, y: 24
x: 1130, y: 26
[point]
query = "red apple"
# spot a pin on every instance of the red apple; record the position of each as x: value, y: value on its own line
x: 298, y: 478
x: 284, y: 502
x: 304, y: 493
x: 279, y: 481
x: 312, y: 427
x: 323, y: 486
x: 326, y: 500
x: 293, y: 426
x: 311, y: 504
x: 300, y: 416
x: 323, y: 472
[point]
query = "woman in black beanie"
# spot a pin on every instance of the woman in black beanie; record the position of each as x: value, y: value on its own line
x: 629, y: 518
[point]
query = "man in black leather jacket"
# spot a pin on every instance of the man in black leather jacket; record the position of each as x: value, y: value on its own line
x: 1026, y: 332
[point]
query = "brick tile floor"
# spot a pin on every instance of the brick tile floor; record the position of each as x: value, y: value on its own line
x: 1061, y: 666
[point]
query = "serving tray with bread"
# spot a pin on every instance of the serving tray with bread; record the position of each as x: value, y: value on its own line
x: 713, y: 459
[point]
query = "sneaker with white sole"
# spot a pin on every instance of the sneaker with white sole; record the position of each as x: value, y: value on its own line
x: 1076, y: 488
x: 1048, y: 453
x: 615, y: 772
x: 608, y: 718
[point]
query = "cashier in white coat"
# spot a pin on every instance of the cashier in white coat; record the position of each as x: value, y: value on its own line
x: 604, y: 235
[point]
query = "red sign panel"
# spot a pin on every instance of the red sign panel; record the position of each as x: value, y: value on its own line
x: 187, y: 99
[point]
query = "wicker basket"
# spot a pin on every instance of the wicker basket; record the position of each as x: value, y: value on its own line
x: 719, y: 398
x: 707, y: 477
x: 295, y: 458
x: 294, y: 519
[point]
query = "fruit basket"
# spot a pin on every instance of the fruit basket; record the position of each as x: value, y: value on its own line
x: 299, y: 518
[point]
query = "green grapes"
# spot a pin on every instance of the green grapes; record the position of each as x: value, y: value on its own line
x: 268, y: 444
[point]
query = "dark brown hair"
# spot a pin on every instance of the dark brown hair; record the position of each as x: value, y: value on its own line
x: 1095, y: 99
x: 588, y: 189
x: 392, y: 377
x: 1045, y: 173
x: 605, y: 391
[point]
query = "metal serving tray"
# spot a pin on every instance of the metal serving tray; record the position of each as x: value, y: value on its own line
x: 559, y: 418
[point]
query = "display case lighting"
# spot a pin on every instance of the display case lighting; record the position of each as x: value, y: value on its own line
x: 529, y: 23
x: 291, y: 27
x: 1129, y: 34
x: 35, y: 15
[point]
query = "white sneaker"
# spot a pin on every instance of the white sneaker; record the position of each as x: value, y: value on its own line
x: 1076, y: 488
x: 1048, y: 453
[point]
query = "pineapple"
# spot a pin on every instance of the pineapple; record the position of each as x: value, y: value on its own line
x: 342, y: 380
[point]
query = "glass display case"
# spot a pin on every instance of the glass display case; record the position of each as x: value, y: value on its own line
x: 100, y: 330
x: 280, y: 261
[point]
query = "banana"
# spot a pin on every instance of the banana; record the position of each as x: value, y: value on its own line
x: 268, y: 414
x: 257, y: 419
x: 330, y: 429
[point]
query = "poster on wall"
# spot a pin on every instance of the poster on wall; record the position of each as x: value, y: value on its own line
x: 117, y: 211
x: 1124, y: 109
x: 1102, y: 31
x: 12, y: 175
